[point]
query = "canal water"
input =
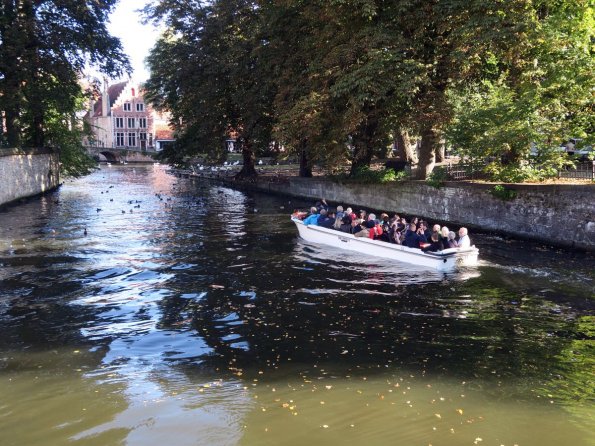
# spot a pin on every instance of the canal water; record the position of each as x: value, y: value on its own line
x: 191, y: 314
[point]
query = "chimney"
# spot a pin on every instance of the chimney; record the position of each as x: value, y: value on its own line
x: 105, y: 105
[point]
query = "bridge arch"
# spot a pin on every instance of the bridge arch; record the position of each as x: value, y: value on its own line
x: 110, y: 156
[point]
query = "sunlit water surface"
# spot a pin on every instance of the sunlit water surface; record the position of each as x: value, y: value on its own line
x: 191, y: 314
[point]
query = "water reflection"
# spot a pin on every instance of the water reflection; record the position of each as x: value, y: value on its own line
x: 194, y: 312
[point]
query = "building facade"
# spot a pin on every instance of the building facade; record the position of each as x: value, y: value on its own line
x: 120, y: 118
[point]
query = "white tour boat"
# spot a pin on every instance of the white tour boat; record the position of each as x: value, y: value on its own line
x: 445, y: 260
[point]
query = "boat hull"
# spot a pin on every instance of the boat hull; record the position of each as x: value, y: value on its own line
x: 446, y: 260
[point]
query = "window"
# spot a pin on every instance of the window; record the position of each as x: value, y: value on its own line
x: 150, y: 139
x: 142, y: 123
x: 140, y: 107
x: 132, y: 140
x: 142, y: 136
x: 127, y: 106
x: 119, y: 123
x: 130, y: 123
x: 119, y: 139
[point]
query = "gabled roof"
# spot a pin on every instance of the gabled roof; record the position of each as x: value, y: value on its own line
x: 113, y: 91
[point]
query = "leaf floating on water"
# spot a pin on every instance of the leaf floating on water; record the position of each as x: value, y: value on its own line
x: 478, y: 440
x: 217, y: 287
x: 460, y: 411
x: 437, y: 415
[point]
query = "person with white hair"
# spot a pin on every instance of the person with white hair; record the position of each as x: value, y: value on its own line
x: 312, y: 219
x: 464, y: 240
x: 339, y: 217
x: 452, y: 242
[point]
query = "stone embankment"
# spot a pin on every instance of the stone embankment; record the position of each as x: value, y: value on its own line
x: 561, y: 214
x: 27, y: 173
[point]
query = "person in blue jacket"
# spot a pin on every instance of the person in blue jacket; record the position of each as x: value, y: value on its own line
x: 312, y: 219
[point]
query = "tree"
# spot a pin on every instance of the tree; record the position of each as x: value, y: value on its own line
x: 219, y: 84
x: 543, y: 103
x: 44, y: 48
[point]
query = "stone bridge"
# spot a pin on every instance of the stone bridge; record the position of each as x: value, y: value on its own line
x: 117, y: 155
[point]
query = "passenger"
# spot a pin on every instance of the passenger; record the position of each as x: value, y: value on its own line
x: 385, y: 225
x: 363, y: 215
x: 321, y: 205
x: 346, y: 224
x: 326, y: 219
x: 360, y: 229
x: 374, y: 227
x: 312, y: 219
x: 394, y: 233
x: 435, y: 245
x: 299, y: 214
x: 426, y: 230
x: 464, y: 240
x: 339, y: 217
x: 412, y: 239
x: 351, y: 214
x: 444, y: 236
x: 452, y: 243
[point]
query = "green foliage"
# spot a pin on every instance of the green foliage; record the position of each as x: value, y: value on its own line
x: 365, y: 175
x: 502, y: 192
x: 329, y: 81
x: 66, y: 136
x: 44, y: 47
x: 437, y: 178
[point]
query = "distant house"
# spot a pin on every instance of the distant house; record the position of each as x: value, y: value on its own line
x: 164, y: 135
x: 120, y: 118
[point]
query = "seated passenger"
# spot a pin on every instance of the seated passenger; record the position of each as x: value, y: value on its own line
x: 444, y: 236
x: 464, y: 240
x: 326, y: 220
x: 351, y: 214
x: 394, y: 233
x: 452, y: 243
x: 412, y: 238
x: 359, y: 228
x: 346, y: 224
x: 339, y: 217
x: 435, y: 245
x: 312, y: 219
x: 321, y: 205
x: 426, y: 230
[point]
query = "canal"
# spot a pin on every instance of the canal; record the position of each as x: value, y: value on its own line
x: 141, y: 309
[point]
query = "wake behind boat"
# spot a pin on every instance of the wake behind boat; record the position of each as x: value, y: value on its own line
x: 445, y: 260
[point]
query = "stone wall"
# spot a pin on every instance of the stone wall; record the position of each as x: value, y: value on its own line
x: 562, y: 215
x: 27, y: 173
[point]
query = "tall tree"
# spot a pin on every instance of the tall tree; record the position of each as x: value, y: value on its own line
x: 44, y: 48
x: 219, y: 84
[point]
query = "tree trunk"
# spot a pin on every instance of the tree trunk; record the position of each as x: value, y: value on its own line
x: 363, y: 146
x: 441, y: 151
x: 405, y: 149
x: 248, y: 170
x: 305, y: 168
x: 427, y: 150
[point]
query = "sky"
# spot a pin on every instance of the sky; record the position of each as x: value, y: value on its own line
x: 137, y: 39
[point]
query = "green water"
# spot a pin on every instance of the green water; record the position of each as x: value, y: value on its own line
x: 200, y: 318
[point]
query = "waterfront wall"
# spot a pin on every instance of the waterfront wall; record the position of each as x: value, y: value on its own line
x: 561, y: 215
x: 27, y: 173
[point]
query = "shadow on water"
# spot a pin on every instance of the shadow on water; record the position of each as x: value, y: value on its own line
x: 188, y: 301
